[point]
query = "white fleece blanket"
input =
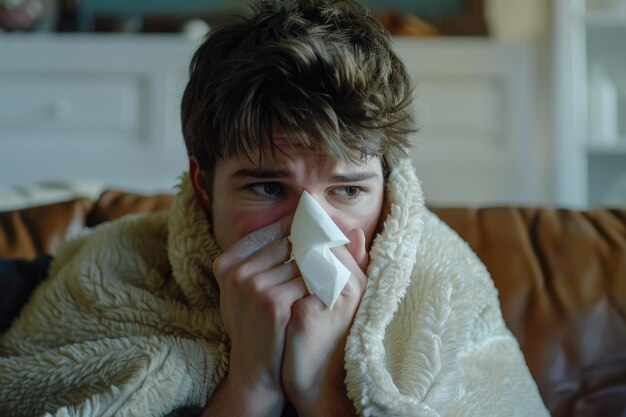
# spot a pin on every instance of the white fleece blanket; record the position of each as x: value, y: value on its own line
x: 128, y: 323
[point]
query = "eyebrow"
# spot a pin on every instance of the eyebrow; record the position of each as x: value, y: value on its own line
x: 278, y: 173
x: 261, y: 173
x: 354, y: 177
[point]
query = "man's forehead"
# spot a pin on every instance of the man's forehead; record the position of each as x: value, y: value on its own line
x: 280, y: 157
x: 283, y: 158
x: 286, y: 149
x: 280, y: 147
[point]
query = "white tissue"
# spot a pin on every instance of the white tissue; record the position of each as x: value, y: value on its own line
x: 313, y: 234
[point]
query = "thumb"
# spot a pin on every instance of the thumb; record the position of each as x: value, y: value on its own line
x: 356, y: 247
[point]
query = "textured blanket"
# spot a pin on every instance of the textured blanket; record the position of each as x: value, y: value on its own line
x: 128, y: 323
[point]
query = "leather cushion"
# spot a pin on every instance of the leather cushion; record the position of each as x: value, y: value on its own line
x: 29, y: 232
x: 113, y: 204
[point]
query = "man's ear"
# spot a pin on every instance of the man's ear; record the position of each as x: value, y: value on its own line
x: 197, y: 180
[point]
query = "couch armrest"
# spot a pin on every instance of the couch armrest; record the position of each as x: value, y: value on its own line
x: 113, y: 204
x: 32, y: 231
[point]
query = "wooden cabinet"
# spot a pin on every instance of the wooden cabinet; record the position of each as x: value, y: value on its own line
x: 105, y: 108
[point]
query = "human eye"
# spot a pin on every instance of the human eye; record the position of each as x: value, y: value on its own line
x: 348, y: 192
x: 267, y: 190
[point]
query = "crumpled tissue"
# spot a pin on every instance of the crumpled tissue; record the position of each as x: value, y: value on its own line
x: 313, y: 234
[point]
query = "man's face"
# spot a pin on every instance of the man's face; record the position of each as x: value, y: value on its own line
x: 247, y: 196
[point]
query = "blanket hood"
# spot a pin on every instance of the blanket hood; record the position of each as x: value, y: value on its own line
x: 192, y: 249
x: 389, y: 274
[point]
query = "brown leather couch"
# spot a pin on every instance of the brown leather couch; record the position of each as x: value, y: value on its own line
x: 561, y: 276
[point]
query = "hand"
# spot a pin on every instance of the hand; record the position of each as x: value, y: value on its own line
x: 313, y: 365
x: 257, y: 290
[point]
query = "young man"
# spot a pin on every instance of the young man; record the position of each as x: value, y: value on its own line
x: 200, y: 311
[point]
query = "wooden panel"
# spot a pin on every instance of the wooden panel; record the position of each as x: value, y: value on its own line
x: 66, y: 102
x: 103, y: 109
x: 467, y: 109
x: 474, y: 102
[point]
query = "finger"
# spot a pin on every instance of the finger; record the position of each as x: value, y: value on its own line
x: 311, y: 304
x: 290, y: 291
x: 278, y: 275
x: 274, y: 254
x: 256, y: 240
x: 252, y: 243
x: 357, y: 249
x: 358, y: 279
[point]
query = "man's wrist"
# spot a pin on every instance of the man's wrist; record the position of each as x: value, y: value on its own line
x: 235, y: 398
x: 337, y: 404
x: 258, y: 397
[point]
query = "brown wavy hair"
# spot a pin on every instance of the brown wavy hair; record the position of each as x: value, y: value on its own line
x: 322, y: 71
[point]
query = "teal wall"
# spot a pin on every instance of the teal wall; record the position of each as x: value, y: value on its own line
x: 425, y: 7
x: 147, y: 7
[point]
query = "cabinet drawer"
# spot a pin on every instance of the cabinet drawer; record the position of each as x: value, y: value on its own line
x: 66, y: 103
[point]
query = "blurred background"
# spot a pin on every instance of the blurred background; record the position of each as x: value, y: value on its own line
x: 519, y: 102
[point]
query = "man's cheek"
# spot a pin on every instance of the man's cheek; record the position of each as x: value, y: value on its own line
x: 251, y: 221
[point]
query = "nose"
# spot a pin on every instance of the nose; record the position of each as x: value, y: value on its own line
x: 322, y: 201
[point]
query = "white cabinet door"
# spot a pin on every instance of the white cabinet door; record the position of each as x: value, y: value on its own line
x: 474, y: 106
x: 98, y: 108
